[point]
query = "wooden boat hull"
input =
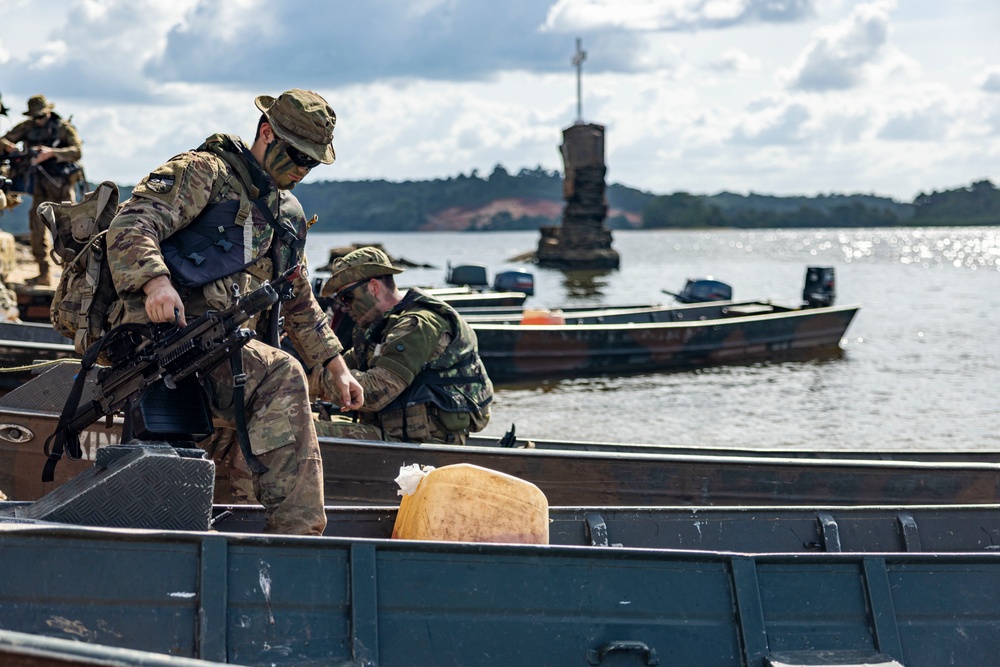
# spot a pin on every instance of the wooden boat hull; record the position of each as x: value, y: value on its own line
x: 513, y: 352
x: 24, y: 343
x: 284, y: 601
x: 362, y: 472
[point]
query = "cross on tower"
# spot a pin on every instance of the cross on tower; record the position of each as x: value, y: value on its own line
x: 578, y: 59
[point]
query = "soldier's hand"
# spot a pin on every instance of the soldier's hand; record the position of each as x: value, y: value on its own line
x: 44, y: 153
x: 163, y: 303
x: 350, y: 395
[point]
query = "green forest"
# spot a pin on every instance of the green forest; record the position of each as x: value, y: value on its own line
x: 533, y: 197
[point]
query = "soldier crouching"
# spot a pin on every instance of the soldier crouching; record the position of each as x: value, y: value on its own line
x: 415, y: 357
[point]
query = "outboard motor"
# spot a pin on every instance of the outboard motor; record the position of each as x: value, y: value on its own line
x: 518, y: 280
x: 473, y: 275
x: 820, y: 289
x: 704, y: 289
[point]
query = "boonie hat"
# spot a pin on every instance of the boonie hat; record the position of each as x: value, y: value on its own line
x: 303, y: 119
x: 355, y: 266
x: 37, y: 105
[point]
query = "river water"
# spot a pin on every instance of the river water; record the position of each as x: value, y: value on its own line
x: 920, y: 365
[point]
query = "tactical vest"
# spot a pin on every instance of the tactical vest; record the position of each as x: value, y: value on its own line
x: 219, y: 242
x: 48, y: 135
x: 454, y: 382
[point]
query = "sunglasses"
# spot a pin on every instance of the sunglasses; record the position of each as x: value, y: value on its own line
x: 344, y: 296
x: 299, y: 158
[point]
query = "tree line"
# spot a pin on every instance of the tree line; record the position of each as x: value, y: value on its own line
x: 379, y: 205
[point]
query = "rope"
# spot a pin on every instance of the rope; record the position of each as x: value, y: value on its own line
x: 38, y: 364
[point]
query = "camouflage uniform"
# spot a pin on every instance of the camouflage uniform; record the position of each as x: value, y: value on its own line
x: 51, y: 183
x: 418, y: 364
x: 279, y: 417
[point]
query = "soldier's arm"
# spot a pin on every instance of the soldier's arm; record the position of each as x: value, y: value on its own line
x: 70, y: 148
x: 308, y: 326
x: 15, y: 136
x: 415, y: 340
x: 166, y: 200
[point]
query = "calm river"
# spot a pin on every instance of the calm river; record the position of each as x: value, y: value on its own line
x: 920, y: 364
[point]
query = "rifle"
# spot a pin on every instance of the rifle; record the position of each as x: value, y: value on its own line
x: 144, y: 355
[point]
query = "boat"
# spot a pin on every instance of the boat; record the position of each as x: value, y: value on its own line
x: 23, y: 344
x: 251, y: 599
x: 360, y: 471
x: 628, y: 341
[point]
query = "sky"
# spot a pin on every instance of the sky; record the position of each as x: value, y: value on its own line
x: 782, y: 97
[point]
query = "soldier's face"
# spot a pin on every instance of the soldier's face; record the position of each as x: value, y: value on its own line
x: 280, y: 162
x: 364, y: 306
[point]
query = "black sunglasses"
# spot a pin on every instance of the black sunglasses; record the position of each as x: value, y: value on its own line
x: 299, y: 158
x: 344, y: 296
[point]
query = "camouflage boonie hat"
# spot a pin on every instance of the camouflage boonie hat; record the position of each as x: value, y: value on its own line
x: 37, y: 105
x: 303, y: 119
x: 356, y: 266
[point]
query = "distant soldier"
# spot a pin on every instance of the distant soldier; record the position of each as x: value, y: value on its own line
x: 55, y: 150
x: 416, y: 358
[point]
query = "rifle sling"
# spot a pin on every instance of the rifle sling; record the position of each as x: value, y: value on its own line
x: 65, y: 437
x: 240, y: 413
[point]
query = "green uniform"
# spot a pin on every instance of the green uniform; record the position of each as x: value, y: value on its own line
x: 422, y: 375
x: 279, y: 418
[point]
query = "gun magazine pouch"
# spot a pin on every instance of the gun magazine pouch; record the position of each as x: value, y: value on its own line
x: 173, y: 415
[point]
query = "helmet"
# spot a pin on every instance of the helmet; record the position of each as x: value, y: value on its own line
x: 358, y: 265
x: 303, y: 119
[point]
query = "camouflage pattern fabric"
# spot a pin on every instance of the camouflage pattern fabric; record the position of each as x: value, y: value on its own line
x: 67, y: 148
x: 344, y: 427
x: 279, y: 418
x: 409, y: 342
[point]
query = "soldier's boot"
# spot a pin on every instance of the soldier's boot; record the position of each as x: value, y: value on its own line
x: 43, y: 277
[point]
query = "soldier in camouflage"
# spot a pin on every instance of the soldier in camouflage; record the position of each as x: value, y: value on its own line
x: 221, y: 217
x: 415, y: 357
x: 55, y: 172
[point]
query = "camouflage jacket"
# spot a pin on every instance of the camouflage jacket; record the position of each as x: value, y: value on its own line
x: 172, y: 196
x: 57, y: 134
x: 434, y: 352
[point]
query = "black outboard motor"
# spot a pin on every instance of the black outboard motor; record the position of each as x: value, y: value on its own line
x: 518, y: 280
x: 473, y: 275
x: 820, y: 289
x: 704, y: 289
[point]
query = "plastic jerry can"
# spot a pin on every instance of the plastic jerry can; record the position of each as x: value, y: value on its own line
x: 542, y: 316
x: 468, y: 503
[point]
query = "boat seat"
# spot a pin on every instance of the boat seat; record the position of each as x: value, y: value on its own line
x: 751, y: 309
x: 830, y: 659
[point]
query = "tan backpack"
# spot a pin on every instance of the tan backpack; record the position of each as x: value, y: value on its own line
x: 85, y: 304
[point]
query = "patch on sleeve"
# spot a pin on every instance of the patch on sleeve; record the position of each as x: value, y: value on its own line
x: 161, y: 184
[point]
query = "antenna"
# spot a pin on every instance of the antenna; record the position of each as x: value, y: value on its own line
x: 578, y: 59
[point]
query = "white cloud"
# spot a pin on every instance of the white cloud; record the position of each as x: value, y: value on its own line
x: 839, y: 55
x: 989, y: 81
x: 735, y: 60
x: 639, y: 15
x: 929, y: 122
x: 783, y: 123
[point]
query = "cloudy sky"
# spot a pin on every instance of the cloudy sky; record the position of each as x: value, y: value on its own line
x: 783, y: 97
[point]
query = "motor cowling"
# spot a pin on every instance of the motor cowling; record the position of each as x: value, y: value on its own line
x: 517, y: 280
x: 704, y: 289
x: 820, y: 288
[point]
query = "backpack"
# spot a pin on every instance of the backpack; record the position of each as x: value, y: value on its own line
x: 85, y: 304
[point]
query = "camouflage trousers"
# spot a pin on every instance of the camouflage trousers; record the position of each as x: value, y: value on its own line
x: 344, y: 427
x: 282, y: 436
